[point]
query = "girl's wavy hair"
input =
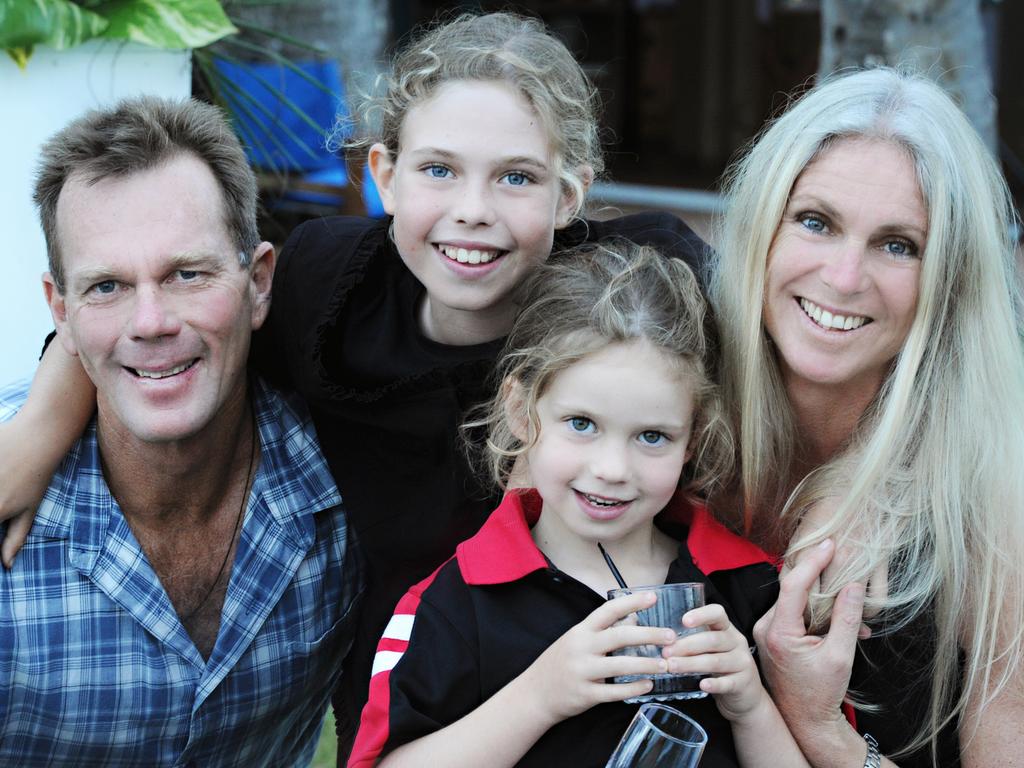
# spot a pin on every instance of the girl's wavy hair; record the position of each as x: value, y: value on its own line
x: 493, y: 47
x: 931, y: 484
x: 577, y: 304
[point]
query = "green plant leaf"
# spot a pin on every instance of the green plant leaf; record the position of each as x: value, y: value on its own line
x: 20, y: 55
x: 57, y: 23
x: 166, y: 23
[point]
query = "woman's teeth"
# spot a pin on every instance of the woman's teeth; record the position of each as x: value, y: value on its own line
x: 826, y: 319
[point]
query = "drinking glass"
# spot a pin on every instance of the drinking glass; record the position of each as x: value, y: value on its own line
x: 673, y: 601
x: 660, y: 737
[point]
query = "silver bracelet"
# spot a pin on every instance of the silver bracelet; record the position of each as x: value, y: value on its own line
x: 874, y: 758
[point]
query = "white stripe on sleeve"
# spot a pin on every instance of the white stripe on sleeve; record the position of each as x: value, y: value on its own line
x: 385, y: 661
x: 400, y: 627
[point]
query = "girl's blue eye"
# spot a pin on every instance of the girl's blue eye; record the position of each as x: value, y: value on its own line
x: 437, y: 171
x: 580, y: 424
x: 652, y: 437
x: 517, y: 178
x: 812, y: 222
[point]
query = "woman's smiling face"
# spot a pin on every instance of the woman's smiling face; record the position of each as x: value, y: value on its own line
x: 844, y: 266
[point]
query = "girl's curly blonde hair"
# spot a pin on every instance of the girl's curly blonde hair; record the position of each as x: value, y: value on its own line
x: 501, y: 47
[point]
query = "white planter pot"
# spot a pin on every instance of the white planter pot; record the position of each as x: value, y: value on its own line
x: 54, y: 88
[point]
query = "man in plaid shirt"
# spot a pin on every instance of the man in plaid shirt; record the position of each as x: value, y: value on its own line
x: 183, y: 598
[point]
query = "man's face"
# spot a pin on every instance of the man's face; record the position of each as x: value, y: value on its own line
x: 156, y: 305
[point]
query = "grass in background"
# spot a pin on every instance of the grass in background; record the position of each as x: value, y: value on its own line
x: 327, y: 749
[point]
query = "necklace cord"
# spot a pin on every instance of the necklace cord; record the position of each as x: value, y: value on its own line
x: 238, y: 518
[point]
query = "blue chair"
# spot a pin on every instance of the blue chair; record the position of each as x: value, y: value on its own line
x: 297, y: 171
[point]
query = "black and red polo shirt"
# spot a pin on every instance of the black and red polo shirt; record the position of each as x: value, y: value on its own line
x: 483, y: 617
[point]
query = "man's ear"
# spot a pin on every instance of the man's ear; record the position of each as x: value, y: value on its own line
x: 59, y: 312
x: 568, y: 201
x: 382, y: 168
x: 261, y: 277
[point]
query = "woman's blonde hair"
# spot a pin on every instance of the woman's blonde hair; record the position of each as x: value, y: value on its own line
x: 586, y: 299
x: 496, y: 47
x: 931, y: 483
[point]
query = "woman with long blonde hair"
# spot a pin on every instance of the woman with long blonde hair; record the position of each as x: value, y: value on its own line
x: 872, y: 337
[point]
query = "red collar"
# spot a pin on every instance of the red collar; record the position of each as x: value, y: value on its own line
x: 503, y: 550
x: 713, y: 547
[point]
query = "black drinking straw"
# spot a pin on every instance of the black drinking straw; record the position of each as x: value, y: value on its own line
x: 611, y: 566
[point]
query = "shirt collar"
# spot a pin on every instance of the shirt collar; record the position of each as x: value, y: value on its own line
x: 293, y: 478
x: 503, y: 550
x: 713, y: 547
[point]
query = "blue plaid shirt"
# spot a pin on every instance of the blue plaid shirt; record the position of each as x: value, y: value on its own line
x: 97, y: 670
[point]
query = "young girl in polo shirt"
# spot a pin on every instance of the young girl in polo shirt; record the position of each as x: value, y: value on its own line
x: 500, y: 657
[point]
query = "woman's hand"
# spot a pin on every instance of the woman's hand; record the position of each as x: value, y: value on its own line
x: 819, y: 606
x: 720, y: 651
x: 569, y: 677
x: 808, y: 674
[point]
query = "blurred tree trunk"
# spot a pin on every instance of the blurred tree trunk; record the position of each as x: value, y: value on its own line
x: 943, y: 39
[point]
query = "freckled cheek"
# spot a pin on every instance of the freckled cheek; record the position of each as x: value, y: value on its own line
x: 419, y: 217
x: 409, y: 232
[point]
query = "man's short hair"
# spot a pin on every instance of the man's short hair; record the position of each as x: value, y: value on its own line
x: 138, y: 134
